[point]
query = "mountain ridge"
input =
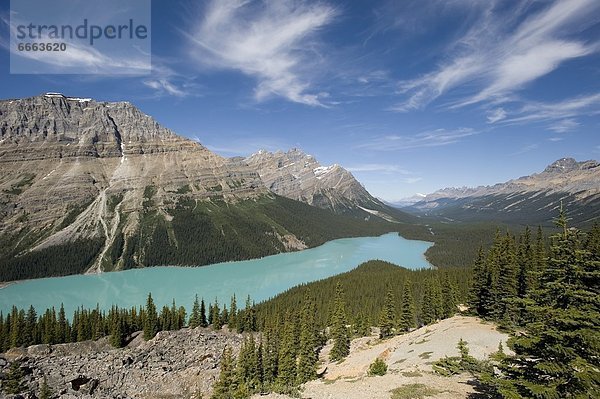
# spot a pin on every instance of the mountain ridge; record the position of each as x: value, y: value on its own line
x: 102, y: 186
x: 533, y: 198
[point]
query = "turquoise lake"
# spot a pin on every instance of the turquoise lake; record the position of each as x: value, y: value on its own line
x: 260, y: 278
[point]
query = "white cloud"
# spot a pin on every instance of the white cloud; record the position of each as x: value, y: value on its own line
x: 504, y: 52
x: 77, y: 56
x: 432, y: 138
x: 271, y: 41
x: 496, y: 115
x: 386, y: 168
x: 564, y: 110
x: 565, y: 125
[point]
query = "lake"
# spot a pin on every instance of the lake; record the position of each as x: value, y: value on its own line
x: 260, y: 278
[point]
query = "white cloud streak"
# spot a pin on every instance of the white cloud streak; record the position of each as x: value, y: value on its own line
x: 386, y: 168
x: 271, y: 41
x: 433, y: 138
x: 502, y: 53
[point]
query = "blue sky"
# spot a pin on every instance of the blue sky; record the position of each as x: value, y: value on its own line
x: 411, y: 96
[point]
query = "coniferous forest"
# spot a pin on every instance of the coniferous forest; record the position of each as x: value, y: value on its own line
x: 546, y: 291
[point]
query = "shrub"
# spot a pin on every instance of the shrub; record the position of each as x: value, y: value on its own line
x: 378, y: 367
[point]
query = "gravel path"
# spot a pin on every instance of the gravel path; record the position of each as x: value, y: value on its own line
x: 409, y: 358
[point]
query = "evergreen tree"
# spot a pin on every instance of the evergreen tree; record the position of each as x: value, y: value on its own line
x: 232, y: 320
x: 286, y: 371
x: 307, y: 356
x: 217, y: 323
x: 387, y: 318
x: 203, y: 321
x: 479, y: 283
x: 407, y: 312
x: 62, y: 326
x: 195, y: 316
x: 339, y: 329
x: 227, y: 383
x: 270, y: 355
x: 449, y: 298
x: 29, y: 332
x: 248, y: 372
x: 430, y: 310
x: 13, y: 381
x: 45, y: 391
x: 151, y: 321
x: 557, y: 356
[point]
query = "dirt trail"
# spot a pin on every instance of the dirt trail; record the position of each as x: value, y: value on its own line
x: 409, y: 358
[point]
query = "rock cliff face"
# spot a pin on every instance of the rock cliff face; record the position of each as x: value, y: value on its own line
x: 301, y: 177
x: 535, y: 198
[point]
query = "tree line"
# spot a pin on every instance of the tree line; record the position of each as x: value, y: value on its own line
x: 549, y: 296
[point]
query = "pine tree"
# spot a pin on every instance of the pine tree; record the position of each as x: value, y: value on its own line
x: 248, y: 372
x: 407, y: 312
x: 479, y: 283
x: 62, y: 326
x: 13, y: 381
x: 387, y: 318
x: 232, y: 320
x: 429, y: 311
x: 203, y: 321
x: 195, y: 316
x: 217, y: 323
x: 449, y: 297
x: 339, y: 329
x: 286, y: 372
x: 45, y: 391
x: 151, y: 321
x: 227, y: 383
x: 307, y: 355
x: 270, y: 355
x: 557, y: 356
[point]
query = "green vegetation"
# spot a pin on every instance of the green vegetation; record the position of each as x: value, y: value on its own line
x: 13, y: 381
x: 59, y: 260
x: 365, y: 291
x: 339, y: 331
x: 464, y: 363
x: 72, y: 212
x: 413, y: 391
x: 378, y: 367
x: 550, y: 297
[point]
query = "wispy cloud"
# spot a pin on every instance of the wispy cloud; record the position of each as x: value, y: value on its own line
x: 565, y: 125
x: 272, y: 41
x: 564, y: 110
x: 77, y: 58
x: 376, y: 167
x: 504, y: 52
x: 496, y: 115
x: 525, y: 149
x: 432, y: 138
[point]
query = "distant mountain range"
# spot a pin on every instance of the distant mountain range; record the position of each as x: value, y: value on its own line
x: 91, y: 186
x: 529, y: 199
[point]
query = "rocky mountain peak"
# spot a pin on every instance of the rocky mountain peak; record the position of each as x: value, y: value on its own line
x: 75, y: 126
x: 299, y: 176
x: 565, y: 165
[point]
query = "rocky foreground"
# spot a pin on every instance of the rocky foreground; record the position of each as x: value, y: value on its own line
x: 181, y: 364
x: 175, y: 364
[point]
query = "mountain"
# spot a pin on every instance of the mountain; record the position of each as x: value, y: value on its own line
x: 407, y: 201
x: 529, y: 199
x: 93, y: 186
x: 299, y: 176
